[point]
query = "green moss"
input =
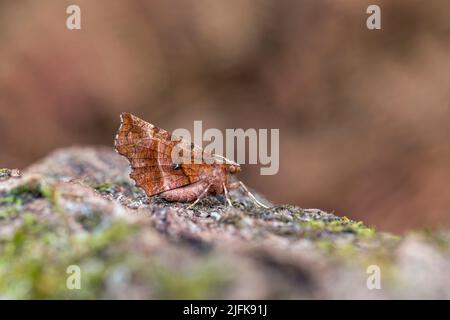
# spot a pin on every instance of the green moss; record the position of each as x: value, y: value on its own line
x: 10, y: 205
x: 91, y: 221
x: 439, y: 238
x: 5, y: 173
x: 23, y: 193
x: 103, y: 187
x: 9, y: 212
x: 326, y: 245
x: 337, y: 249
x: 34, y: 259
x: 9, y: 199
x: 338, y: 226
x: 201, y: 282
x: 49, y: 192
x: 32, y: 189
x: 101, y: 239
x: 12, y: 202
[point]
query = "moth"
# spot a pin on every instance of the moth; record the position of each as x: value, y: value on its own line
x: 150, y: 151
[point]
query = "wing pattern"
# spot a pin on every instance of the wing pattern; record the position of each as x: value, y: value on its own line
x: 149, y: 151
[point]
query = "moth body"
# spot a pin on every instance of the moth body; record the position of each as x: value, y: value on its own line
x: 149, y: 152
x: 149, y: 149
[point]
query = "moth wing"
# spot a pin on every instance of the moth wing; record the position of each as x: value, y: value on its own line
x: 149, y: 152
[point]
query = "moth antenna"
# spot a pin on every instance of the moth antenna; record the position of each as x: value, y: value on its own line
x: 258, y: 203
x: 227, y: 195
x: 227, y: 161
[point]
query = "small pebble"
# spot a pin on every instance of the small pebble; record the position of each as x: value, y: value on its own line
x: 215, y: 215
x: 15, y: 173
x: 9, y: 173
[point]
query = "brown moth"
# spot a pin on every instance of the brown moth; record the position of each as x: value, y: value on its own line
x: 149, y: 151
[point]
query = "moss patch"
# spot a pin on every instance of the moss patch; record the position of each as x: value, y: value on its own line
x: 338, y: 226
x: 33, y: 262
x: 12, y: 202
x: 201, y: 281
x: 104, y: 187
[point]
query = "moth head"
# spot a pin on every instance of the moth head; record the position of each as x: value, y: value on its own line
x: 233, y: 168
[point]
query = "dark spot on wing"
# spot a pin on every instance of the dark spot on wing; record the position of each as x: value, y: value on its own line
x: 176, y: 166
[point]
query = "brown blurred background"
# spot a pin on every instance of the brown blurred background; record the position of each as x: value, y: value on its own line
x: 363, y: 115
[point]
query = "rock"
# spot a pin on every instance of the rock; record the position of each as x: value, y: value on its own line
x: 78, y: 207
x: 9, y: 173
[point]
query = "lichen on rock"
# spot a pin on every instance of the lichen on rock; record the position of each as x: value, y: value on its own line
x: 78, y: 207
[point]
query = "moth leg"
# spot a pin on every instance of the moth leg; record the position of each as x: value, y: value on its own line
x: 227, y: 195
x: 199, y: 197
x: 234, y: 185
x: 251, y: 196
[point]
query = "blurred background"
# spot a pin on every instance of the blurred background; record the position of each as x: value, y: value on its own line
x: 364, y: 116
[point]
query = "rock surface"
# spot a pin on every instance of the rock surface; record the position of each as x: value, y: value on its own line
x: 78, y: 207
